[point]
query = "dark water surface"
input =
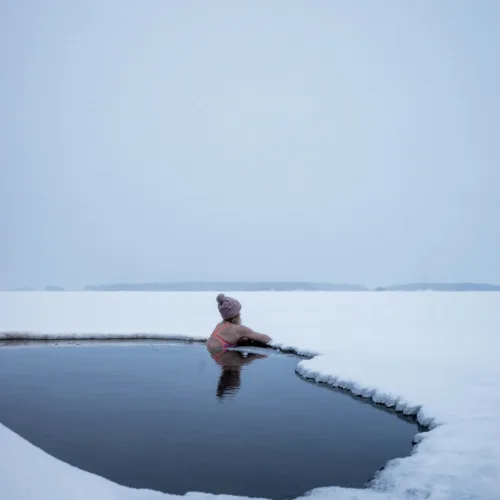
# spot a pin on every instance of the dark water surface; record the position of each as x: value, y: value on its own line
x: 166, y: 416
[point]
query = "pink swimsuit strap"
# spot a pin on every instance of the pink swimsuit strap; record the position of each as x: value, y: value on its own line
x: 225, y: 343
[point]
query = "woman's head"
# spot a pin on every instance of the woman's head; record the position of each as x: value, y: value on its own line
x: 229, y: 308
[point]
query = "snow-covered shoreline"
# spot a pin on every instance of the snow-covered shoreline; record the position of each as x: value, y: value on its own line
x: 433, y: 355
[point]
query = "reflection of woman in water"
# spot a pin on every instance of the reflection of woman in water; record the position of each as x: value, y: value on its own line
x: 230, y: 332
x: 227, y: 334
x: 231, y: 363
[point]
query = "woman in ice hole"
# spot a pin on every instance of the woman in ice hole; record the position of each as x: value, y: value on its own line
x: 230, y: 332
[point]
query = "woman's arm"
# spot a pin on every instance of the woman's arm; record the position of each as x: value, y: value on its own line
x: 244, y: 331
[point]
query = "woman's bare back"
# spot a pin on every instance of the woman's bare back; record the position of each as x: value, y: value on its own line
x: 231, y: 333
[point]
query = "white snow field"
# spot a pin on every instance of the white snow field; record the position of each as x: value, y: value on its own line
x: 433, y: 354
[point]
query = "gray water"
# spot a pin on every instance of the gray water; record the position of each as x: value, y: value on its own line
x: 166, y: 416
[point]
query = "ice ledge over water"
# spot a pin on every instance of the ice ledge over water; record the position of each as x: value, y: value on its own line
x: 433, y: 355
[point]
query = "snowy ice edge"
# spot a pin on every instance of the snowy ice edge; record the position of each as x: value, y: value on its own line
x: 304, y: 368
x: 27, y: 335
x: 398, y: 404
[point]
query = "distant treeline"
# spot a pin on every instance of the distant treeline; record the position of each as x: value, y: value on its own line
x: 48, y: 288
x: 441, y: 287
x: 286, y: 286
x: 275, y: 286
x: 244, y: 286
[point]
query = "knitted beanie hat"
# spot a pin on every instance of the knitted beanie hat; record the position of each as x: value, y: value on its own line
x: 228, y: 307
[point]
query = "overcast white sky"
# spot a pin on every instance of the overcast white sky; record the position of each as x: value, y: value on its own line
x: 254, y: 140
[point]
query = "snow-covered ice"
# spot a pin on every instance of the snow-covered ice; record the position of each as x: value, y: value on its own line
x: 431, y: 354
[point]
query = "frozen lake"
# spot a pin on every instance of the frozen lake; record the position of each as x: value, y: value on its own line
x: 433, y: 355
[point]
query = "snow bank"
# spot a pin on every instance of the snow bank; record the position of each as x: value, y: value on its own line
x: 28, y: 473
x: 430, y: 354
